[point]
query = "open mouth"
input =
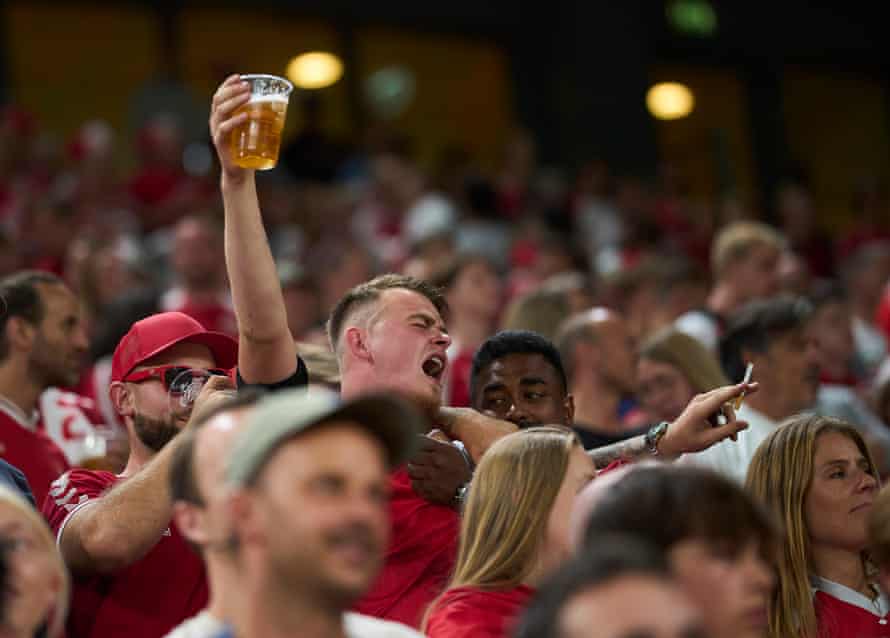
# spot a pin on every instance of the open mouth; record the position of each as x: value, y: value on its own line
x: 434, y: 367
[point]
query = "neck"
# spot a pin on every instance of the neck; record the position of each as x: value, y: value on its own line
x: 224, y: 580
x: 275, y: 612
x: 841, y: 566
x: 17, y: 386
x: 468, y: 330
x: 770, y: 404
x: 140, y: 455
x: 596, y: 405
x: 723, y: 300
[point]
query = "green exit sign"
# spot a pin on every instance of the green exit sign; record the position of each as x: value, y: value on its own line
x: 692, y: 17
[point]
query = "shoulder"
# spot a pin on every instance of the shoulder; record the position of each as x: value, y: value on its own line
x: 360, y: 626
x: 72, y: 490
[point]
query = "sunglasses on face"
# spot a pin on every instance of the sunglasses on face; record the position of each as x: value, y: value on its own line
x: 176, y: 379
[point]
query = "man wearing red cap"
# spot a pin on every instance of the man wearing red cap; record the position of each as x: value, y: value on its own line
x: 133, y: 573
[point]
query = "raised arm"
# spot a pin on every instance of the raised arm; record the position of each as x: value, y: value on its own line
x: 267, y: 353
x: 117, y: 529
x: 693, y: 431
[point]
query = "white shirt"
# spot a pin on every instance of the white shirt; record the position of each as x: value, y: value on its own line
x: 732, y: 458
x: 356, y: 626
x: 203, y: 625
x: 360, y: 626
x: 879, y: 606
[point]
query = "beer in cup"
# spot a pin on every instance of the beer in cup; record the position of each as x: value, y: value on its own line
x: 256, y: 142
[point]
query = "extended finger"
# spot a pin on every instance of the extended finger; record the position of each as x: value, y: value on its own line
x: 225, y: 108
x: 728, y: 431
x: 232, y: 85
x: 224, y: 129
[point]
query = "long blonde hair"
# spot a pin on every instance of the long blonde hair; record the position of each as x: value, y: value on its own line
x: 505, y: 517
x: 780, y: 476
x: 56, y: 618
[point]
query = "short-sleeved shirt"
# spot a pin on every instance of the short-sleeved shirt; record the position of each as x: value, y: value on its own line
x: 144, y: 600
x: 732, y: 458
x: 153, y: 595
x: 23, y: 445
x: 419, y: 559
x: 842, y: 612
x: 469, y: 611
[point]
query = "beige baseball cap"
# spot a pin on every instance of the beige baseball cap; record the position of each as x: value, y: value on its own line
x: 284, y: 415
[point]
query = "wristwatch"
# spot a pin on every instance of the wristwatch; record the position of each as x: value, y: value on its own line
x: 653, y: 436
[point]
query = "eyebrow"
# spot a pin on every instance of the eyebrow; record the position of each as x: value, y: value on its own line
x: 532, y: 381
x: 429, y: 320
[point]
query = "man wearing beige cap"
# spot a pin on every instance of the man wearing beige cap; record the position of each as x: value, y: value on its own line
x: 301, y: 567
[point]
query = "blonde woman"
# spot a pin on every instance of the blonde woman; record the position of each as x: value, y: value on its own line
x: 816, y: 475
x: 35, y: 591
x: 514, y: 532
x: 673, y: 367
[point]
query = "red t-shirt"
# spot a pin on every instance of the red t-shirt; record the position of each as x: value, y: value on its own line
x: 146, y: 599
x: 469, y: 612
x: 840, y: 619
x: 419, y: 559
x: 23, y: 444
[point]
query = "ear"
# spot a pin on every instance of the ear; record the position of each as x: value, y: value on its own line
x: 569, y: 405
x: 190, y: 522
x: 20, y: 334
x: 122, y: 398
x: 244, y: 515
x: 355, y: 340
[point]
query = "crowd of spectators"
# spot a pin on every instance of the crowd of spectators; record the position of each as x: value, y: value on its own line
x: 355, y: 397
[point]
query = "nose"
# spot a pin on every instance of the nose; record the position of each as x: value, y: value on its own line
x: 516, y: 415
x: 442, y: 339
x: 81, y: 341
x: 867, y: 482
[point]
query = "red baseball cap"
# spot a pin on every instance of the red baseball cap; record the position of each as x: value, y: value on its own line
x: 152, y: 335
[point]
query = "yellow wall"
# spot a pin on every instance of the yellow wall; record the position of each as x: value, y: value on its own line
x: 72, y: 62
x: 462, y: 92
x: 69, y: 62
x: 719, y: 106
x: 837, y: 128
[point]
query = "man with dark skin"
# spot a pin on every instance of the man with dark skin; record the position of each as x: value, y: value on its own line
x: 517, y: 381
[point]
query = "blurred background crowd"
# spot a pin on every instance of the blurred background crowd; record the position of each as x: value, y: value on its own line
x: 534, y: 161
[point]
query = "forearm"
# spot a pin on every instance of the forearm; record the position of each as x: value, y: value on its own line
x: 267, y: 351
x: 122, y: 526
x: 627, y: 450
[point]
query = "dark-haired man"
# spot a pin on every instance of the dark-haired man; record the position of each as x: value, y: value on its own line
x: 775, y: 335
x: 42, y: 344
x: 518, y: 377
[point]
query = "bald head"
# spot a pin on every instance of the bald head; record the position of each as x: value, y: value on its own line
x: 597, y: 340
x: 197, y: 472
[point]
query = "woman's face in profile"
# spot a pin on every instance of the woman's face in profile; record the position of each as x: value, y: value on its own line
x: 662, y: 389
x: 32, y: 579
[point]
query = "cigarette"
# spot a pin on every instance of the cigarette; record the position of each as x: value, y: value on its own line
x: 748, y: 371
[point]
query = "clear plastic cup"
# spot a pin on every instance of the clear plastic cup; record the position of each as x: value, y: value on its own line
x: 256, y: 143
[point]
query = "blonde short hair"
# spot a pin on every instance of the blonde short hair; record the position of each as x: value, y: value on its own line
x: 736, y: 240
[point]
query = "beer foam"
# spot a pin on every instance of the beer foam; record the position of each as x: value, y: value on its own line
x: 256, y: 99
